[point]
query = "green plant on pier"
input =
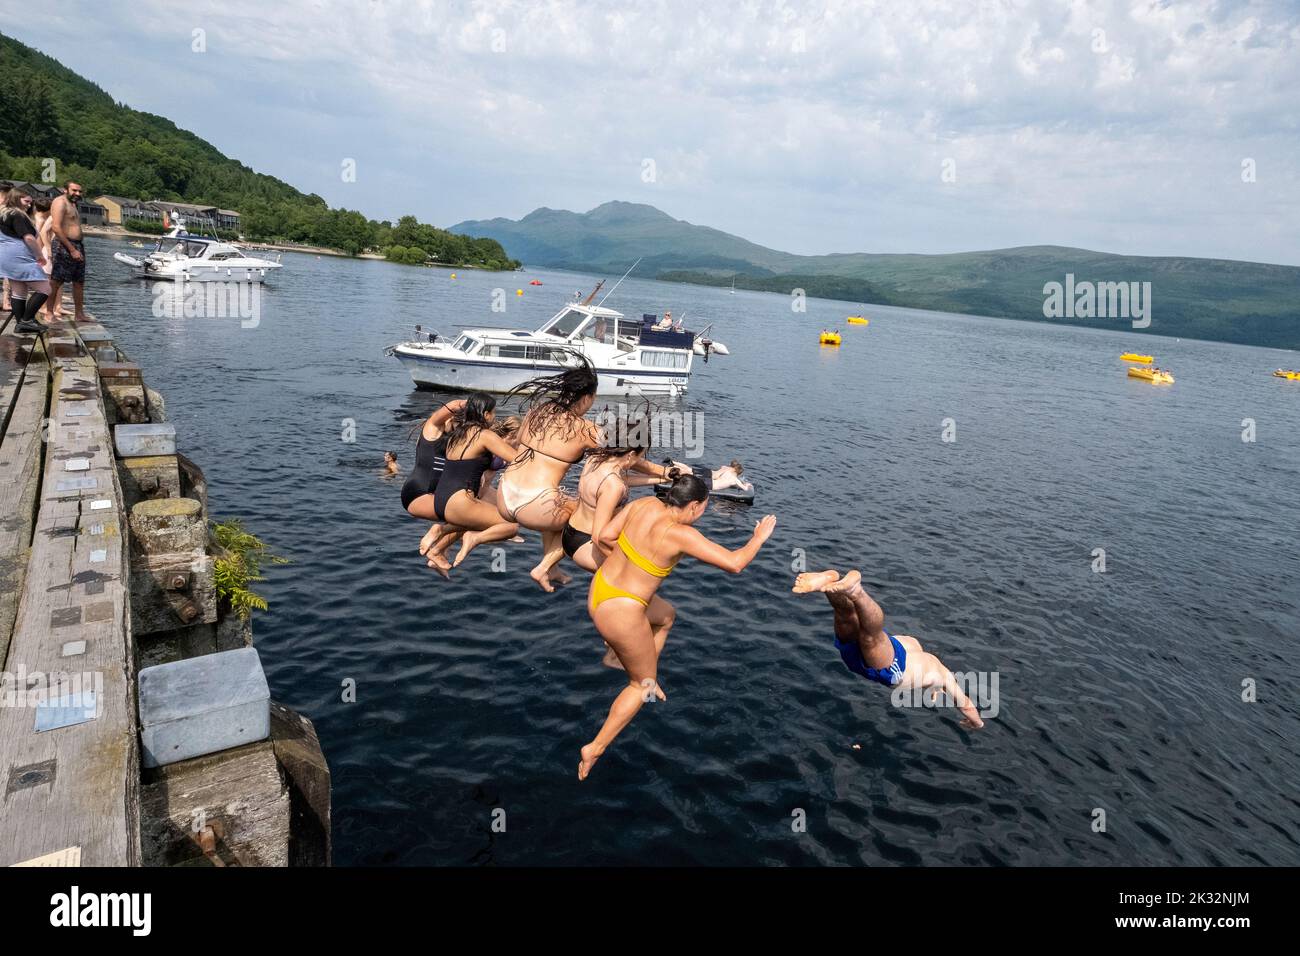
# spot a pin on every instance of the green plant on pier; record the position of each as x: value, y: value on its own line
x: 238, y: 564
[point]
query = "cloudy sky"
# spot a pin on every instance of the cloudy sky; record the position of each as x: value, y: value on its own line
x: 810, y: 127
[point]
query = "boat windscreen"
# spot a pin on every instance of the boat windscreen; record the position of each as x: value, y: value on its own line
x: 567, y: 324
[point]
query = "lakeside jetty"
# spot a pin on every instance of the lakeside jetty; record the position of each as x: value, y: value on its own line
x: 136, y: 727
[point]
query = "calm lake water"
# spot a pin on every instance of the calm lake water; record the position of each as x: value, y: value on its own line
x: 1119, y: 691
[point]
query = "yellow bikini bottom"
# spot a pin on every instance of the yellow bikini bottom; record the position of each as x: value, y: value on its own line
x: 602, y: 591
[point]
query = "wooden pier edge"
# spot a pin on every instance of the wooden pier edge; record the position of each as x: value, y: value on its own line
x: 85, y: 604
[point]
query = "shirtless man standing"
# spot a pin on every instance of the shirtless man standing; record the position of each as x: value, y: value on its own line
x: 69, y: 259
x: 893, y: 660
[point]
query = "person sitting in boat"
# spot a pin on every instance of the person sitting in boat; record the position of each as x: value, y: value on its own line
x: 665, y: 323
x: 728, y: 476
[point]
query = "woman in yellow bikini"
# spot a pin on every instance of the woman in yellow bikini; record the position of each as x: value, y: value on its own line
x: 645, y: 541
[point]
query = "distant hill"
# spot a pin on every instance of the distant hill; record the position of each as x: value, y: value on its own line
x: 47, y: 110
x: 1217, y: 299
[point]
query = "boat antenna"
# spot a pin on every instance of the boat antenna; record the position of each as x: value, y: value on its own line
x: 587, y: 300
x: 619, y: 282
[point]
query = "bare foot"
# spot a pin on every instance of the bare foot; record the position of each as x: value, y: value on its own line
x: 543, y: 580
x: 434, y: 533
x: 468, y: 542
x: 517, y: 539
x: 440, y: 564
x: 559, y: 577
x: 611, y: 659
x: 850, y: 584
x: 590, y: 754
x: 814, y: 581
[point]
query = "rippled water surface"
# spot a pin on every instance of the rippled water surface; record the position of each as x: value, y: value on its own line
x: 1120, y: 691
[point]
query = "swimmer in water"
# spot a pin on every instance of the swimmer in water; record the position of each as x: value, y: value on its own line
x: 390, y: 463
x: 430, y: 456
x: 892, y: 660
x: 728, y: 476
x: 645, y: 541
x: 553, y: 437
x: 471, y: 446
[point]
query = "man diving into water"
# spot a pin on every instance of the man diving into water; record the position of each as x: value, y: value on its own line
x: 865, y: 648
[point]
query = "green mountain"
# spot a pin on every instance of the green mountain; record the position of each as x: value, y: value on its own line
x: 46, y: 110
x: 1217, y: 299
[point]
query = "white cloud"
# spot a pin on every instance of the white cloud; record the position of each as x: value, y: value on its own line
x: 814, y: 127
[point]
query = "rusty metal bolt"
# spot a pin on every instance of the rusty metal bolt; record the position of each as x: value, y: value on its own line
x: 178, y: 581
x: 188, y: 611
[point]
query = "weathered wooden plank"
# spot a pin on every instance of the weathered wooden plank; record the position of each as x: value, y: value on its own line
x: 239, y: 793
x: 20, y: 472
x: 77, y: 785
x: 14, y: 352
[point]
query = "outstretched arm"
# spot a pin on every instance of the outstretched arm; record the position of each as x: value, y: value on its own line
x: 499, y: 446
x: 609, y: 533
x: 937, y: 675
x: 691, y: 542
x: 659, y: 472
x: 611, y: 493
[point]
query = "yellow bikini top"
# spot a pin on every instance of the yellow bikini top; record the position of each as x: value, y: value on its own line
x: 649, y: 567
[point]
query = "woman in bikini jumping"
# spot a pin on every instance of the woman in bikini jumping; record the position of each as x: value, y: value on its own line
x: 645, y: 540
x: 553, y: 437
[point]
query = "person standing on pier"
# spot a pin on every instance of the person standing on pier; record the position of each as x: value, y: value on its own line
x: 21, y: 259
x: 69, y: 259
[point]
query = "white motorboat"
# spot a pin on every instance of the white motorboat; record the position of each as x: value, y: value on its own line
x: 182, y: 255
x: 631, y: 357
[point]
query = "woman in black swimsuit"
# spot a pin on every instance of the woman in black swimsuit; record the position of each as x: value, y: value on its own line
x: 471, y: 445
x: 430, y: 456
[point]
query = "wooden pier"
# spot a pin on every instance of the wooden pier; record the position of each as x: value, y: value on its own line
x: 105, y: 566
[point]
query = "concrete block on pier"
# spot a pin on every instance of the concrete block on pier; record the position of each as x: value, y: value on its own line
x: 202, y: 705
x: 137, y: 441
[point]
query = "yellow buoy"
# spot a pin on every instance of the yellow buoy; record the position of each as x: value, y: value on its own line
x: 453, y: 275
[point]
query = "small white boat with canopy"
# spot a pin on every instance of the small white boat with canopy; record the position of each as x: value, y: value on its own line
x: 192, y: 258
x: 632, y: 357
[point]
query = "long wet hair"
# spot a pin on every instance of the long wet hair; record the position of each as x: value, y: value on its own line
x: 548, y: 402
x: 472, y: 419
x: 507, y: 427
x: 687, y: 490
x: 621, y: 426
